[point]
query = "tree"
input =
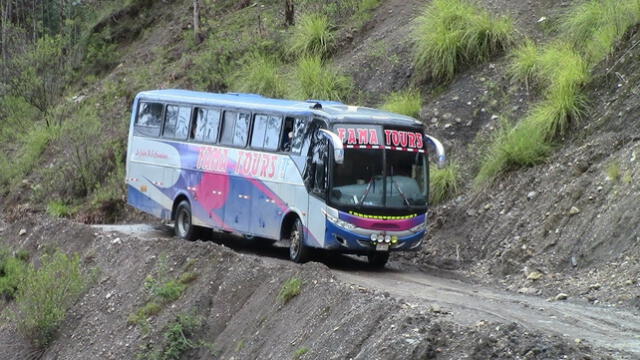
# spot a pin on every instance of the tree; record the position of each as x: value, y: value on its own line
x: 37, y: 75
x: 289, y: 13
x: 196, y: 22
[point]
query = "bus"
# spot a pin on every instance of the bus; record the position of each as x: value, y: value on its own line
x: 311, y: 174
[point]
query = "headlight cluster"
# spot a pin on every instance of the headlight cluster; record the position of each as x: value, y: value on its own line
x: 340, y: 223
x: 379, y: 238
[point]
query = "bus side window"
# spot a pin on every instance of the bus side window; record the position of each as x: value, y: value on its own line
x: 259, y: 129
x: 272, y: 133
x: 149, y: 119
x: 241, y: 131
x: 228, y: 123
x: 293, y: 135
x: 176, y: 125
x: 206, y: 124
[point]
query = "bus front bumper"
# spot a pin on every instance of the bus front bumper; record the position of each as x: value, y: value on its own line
x: 343, y: 240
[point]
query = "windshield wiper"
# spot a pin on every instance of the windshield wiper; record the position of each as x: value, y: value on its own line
x: 400, y: 191
x: 366, y: 191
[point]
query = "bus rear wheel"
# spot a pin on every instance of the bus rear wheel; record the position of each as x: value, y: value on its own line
x: 298, y: 251
x: 183, y: 225
x: 378, y: 259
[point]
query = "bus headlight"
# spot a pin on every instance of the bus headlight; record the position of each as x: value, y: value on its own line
x: 338, y: 222
x: 421, y: 227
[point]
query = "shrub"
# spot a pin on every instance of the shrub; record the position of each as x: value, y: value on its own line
x: 211, y: 66
x: 312, y: 36
x: 443, y: 183
x: 260, y: 74
x: 177, y: 340
x: 316, y: 80
x: 12, y: 271
x: 46, y: 294
x: 290, y: 289
x: 58, y: 208
x: 177, y: 337
x: 450, y: 33
x: 407, y: 102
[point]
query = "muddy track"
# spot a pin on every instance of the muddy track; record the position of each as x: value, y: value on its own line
x: 611, y: 329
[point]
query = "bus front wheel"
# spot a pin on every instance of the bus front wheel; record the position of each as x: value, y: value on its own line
x: 298, y: 251
x: 378, y: 259
x: 183, y: 225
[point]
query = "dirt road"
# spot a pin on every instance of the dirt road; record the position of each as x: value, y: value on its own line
x: 616, y: 330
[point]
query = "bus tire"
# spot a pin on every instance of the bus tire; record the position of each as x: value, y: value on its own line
x: 298, y: 251
x: 183, y: 225
x: 378, y: 260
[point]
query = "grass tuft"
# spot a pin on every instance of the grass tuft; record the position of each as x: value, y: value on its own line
x: 290, y: 289
x: 407, y: 102
x: 444, y: 183
x: 594, y: 26
x: 312, y: 36
x: 148, y: 310
x: 513, y: 147
x: 524, y: 65
x: 57, y: 208
x: 450, y: 33
x: 317, y: 80
x: 300, y: 353
x: 260, y: 74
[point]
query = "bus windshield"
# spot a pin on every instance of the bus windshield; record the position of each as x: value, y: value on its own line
x: 380, y: 178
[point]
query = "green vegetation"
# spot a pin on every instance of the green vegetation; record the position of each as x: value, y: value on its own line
x: 559, y: 70
x: 210, y: 66
x: 300, y: 352
x: 162, y: 289
x: 594, y: 26
x: 178, y: 339
x: 312, y: 36
x: 613, y: 171
x: 444, y: 183
x: 317, y: 80
x: 45, y: 295
x: 513, y: 147
x: 451, y: 33
x: 408, y: 102
x: 57, y: 208
x: 524, y: 65
x: 290, y: 289
x: 260, y: 75
x: 12, y: 271
x: 142, y: 314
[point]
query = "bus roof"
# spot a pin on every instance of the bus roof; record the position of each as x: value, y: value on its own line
x: 331, y: 110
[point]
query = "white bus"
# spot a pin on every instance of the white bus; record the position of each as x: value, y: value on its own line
x: 315, y: 174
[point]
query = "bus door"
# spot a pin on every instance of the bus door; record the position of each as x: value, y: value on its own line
x: 316, y: 180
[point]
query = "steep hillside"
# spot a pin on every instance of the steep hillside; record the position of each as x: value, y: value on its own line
x: 238, y: 312
x: 563, y: 226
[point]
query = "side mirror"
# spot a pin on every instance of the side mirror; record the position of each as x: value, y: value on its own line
x: 338, y: 147
x: 442, y: 157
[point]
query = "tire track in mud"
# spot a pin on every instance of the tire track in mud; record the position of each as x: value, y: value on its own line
x: 607, y: 328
